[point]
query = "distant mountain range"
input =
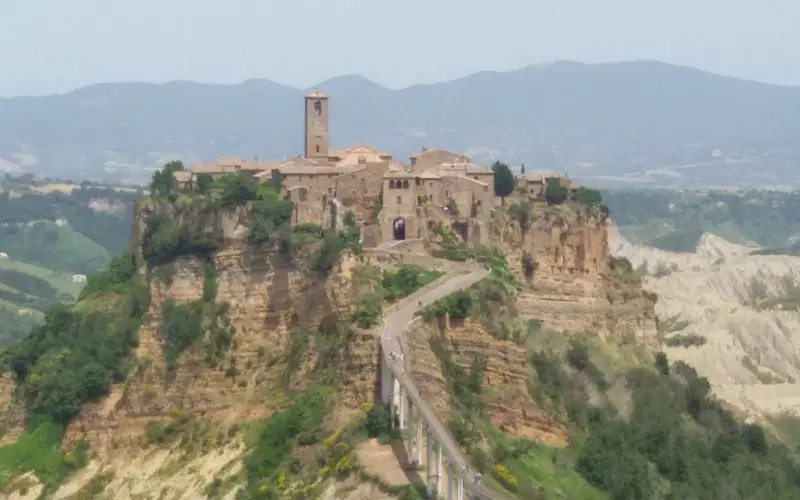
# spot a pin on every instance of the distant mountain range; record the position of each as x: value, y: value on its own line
x: 645, y: 123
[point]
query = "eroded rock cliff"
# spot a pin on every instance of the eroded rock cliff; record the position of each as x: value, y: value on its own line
x: 270, y: 297
x: 568, y: 284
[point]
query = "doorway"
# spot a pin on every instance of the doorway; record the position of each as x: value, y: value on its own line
x: 399, y: 229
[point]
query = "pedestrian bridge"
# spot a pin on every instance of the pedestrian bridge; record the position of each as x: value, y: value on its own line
x: 428, y: 443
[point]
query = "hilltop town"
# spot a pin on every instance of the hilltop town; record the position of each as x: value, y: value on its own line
x: 400, y: 197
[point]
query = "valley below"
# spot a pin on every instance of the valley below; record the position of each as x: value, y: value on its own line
x: 731, y: 314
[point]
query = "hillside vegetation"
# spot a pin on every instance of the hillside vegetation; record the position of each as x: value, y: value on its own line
x: 639, y: 426
x: 49, y: 236
x: 81, y: 350
x: 675, y: 220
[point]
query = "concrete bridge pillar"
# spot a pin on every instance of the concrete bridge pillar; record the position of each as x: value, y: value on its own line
x: 420, y: 425
x: 402, y: 409
x: 439, y: 470
x: 450, y: 481
x: 408, y: 430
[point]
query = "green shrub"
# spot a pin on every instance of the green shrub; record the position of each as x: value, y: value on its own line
x: 457, y: 305
x: 165, y: 240
x: 406, y: 280
x: 368, y: 312
x: 270, y: 215
x: 209, y: 283
x: 555, y: 193
x: 378, y: 421
x: 236, y: 189
x: 685, y: 340
x: 75, y: 356
x: 297, y: 425
x: 181, y: 326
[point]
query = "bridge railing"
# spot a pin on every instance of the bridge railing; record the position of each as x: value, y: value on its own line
x: 437, y: 428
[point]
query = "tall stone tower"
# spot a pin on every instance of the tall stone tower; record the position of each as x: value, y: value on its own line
x: 316, y: 125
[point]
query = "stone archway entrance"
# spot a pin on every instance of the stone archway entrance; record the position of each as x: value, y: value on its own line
x: 399, y: 229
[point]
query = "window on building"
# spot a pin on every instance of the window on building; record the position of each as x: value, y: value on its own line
x: 391, y: 184
x: 318, y: 151
x: 485, y: 189
x: 302, y: 195
x: 318, y: 107
x: 399, y: 200
x: 405, y: 184
x: 417, y: 181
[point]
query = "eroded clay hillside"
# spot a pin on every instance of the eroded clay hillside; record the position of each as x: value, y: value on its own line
x: 733, y: 316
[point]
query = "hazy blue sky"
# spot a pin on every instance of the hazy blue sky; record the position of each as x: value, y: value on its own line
x: 49, y: 46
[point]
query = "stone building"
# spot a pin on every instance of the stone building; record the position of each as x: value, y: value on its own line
x: 326, y: 181
x: 535, y: 183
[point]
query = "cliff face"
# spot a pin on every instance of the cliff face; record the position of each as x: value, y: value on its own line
x: 12, y: 413
x: 572, y: 288
x: 269, y: 296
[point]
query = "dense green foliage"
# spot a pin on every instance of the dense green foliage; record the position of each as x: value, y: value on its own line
x: 504, y: 181
x: 271, y: 218
x: 114, y: 279
x: 673, y: 440
x: 675, y: 220
x: 300, y: 424
x: 554, y: 192
x: 680, y: 442
x: 165, y: 240
x: 79, y: 351
x: 162, y: 183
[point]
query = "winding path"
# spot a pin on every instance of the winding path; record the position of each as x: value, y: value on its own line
x: 396, y: 321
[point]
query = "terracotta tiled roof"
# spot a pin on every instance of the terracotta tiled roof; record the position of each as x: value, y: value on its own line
x: 337, y: 153
x: 455, y: 178
x: 399, y: 174
x: 540, y: 176
x: 231, y: 161
x: 462, y: 168
x: 211, y: 168
x: 426, y: 151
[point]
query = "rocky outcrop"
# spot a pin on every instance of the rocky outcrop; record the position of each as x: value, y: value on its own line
x: 270, y: 298
x: 561, y: 260
x: 571, y: 287
x: 12, y: 411
x: 507, y: 401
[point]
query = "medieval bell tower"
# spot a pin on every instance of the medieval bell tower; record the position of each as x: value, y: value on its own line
x: 316, y: 125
